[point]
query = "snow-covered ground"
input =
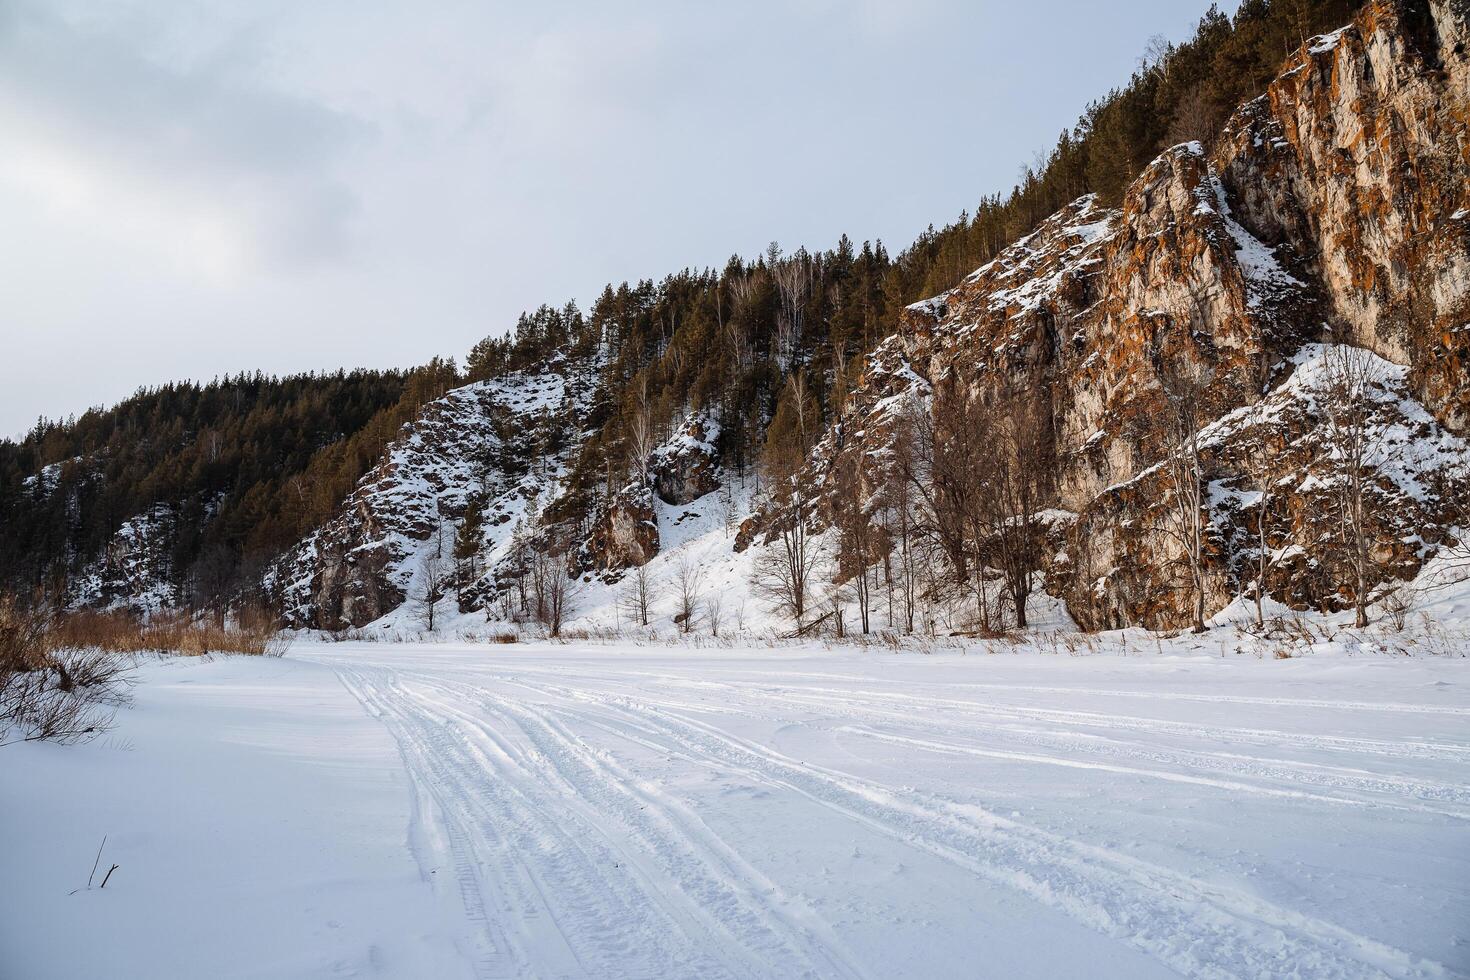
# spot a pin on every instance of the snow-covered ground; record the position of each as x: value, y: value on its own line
x: 608, y: 810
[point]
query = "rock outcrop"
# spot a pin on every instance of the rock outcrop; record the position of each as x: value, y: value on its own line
x: 364, y: 562
x: 626, y: 533
x: 679, y: 471
x: 134, y: 570
x: 687, y: 466
x: 1356, y: 158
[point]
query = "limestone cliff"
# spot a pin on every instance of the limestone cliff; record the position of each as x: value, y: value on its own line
x: 1334, y: 207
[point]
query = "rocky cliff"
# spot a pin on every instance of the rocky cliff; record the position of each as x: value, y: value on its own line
x: 1333, y: 208
x: 504, y: 443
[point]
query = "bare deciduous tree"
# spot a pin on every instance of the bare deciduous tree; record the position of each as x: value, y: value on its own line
x: 1194, y: 117
x: 433, y: 586
x: 744, y: 291
x: 940, y: 457
x: 857, y: 538
x: 562, y: 592
x: 899, y: 509
x: 784, y: 569
x: 794, y: 278
x: 688, y: 586
x: 1184, y: 388
x: 1263, y: 468
x: 1355, y: 447
x: 1020, y: 465
x: 714, y: 613
x: 637, y: 594
x: 642, y: 429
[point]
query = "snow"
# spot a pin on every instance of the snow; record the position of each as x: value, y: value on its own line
x: 933, y: 306
x: 258, y: 817
x: 1323, y: 43
x: 1141, y: 807
x: 1265, y: 277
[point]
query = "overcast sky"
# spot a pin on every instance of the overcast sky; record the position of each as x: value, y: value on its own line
x: 193, y: 188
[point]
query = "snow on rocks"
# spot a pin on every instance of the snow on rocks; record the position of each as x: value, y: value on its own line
x: 1415, y: 470
x: 132, y: 573
x: 684, y: 468
x: 486, y: 440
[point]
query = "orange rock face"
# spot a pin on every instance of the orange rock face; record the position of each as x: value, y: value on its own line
x: 1335, y: 207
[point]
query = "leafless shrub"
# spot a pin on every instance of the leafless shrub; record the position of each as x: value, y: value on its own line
x: 25, y: 628
x: 101, y: 675
x: 34, y: 709
x: 1397, y: 602
x: 714, y: 613
x: 50, y: 692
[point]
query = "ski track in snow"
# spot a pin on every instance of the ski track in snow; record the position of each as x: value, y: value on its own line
x: 606, y: 852
x: 555, y: 807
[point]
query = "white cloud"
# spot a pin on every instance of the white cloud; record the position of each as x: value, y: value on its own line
x: 214, y: 169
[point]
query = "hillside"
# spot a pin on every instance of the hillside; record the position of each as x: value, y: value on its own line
x: 1325, y: 227
x: 1214, y: 350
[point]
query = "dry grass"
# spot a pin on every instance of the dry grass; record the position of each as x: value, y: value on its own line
x: 61, y: 675
x: 253, y: 633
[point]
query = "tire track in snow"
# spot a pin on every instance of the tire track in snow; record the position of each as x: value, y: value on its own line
x: 1399, y: 707
x: 890, y: 698
x: 1201, y: 929
x: 1228, y: 785
x: 437, y: 823
x: 694, y: 897
x: 1444, y: 799
x: 568, y: 906
x: 719, y: 877
x: 1398, y: 749
x: 723, y: 894
x: 1440, y: 799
